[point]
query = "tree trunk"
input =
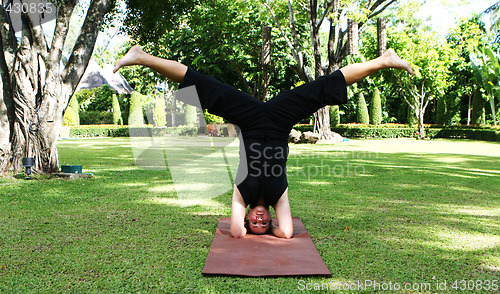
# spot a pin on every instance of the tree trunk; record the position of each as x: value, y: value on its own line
x: 35, y: 92
x: 421, y: 129
x: 353, y: 37
x: 266, y: 60
x: 469, y: 109
x: 381, y: 36
x: 174, y: 111
x: 421, y: 107
x: 322, y: 116
x: 6, y: 118
x: 36, y: 125
x: 332, y: 10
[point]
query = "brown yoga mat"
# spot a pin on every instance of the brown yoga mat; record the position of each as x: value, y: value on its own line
x: 263, y: 255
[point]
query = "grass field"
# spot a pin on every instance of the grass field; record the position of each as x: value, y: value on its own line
x: 415, y: 213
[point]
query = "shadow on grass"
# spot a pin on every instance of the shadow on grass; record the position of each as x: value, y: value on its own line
x: 407, y: 218
x: 392, y: 217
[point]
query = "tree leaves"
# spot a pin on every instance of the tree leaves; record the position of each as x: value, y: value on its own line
x: 486, y: 66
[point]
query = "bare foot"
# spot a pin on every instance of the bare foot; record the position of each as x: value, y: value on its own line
x: 131, y: 58
x: 394, y: 61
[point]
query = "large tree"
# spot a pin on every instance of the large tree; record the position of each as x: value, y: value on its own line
x: 35, y: 86
x: 335, y: 12
x: 430, y: 59
x: 221, y: 38
x: 431, y: 62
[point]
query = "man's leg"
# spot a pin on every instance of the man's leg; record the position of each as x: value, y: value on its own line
x: 170, y: 69
x: 290, y: 107
x: 354, y: 73
x: 218, y: 98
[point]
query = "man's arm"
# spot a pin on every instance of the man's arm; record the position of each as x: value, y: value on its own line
x: 238, y: 208
x: 284, y: 216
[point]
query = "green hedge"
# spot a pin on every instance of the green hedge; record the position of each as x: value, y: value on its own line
x: 404, y: 131
x: 96, y: 117
x: 375, y: 133
x: 475, y: 134
x: 126, y: 131
x: 349, y: 131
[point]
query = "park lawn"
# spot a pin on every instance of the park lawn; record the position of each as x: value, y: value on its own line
x: 390, y: 211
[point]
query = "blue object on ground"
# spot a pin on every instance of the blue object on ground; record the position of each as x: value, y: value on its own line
x: 71, y: 169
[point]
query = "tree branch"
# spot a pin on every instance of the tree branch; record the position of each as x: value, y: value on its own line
x: 328, y: 7
x: 375, y: 5
x: 283, y: 34
x: 423, y: 97
x: 301, y: 70
x: 60, y: 33
x: 341, y: 51
x: 331, y: 48
x: 84, y: 46
x: 25, y: 53
x: 401, y: 88
x: 39, y: 41
x: 315, y: 42
x: 296, y: 43
x: 303, y: 6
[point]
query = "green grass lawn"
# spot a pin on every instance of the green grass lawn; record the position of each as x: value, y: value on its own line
x: 390, y: 211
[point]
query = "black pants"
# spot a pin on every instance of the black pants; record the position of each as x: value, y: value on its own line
x: 264, y: 126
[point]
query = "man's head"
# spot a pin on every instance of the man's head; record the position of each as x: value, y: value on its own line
x: 258, y: 220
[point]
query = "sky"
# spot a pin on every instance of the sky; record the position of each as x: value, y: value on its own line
x: 443, y: 13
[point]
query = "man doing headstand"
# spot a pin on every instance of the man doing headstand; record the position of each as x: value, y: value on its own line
x: 261, y: 178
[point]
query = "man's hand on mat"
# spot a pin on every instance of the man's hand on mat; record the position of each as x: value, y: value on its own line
x: 238, y: 208
x: 284, y: 216
x: 279, y: 233
x: 238, y: 232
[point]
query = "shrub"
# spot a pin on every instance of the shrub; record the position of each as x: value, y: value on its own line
x: 465, y: 132
x: 159, y: 115
x: 72, y: 117
x: 148, y: 109
x: 126, y: 131
x: 376, y: 108
x: 95, y: 131
x: 83, y: 97
x: 191, y: 114
x: 405, y: 131
x: 76, y: 109
x: 124, y: 101
x: 148, y: 103
x: 362, y: 110
x: 367, y: 132
x: 478, y: 115
x: 97, y: 99
x: 334, y: 115
x: 96, y: 117
x: 135, y: 117
x: 212, y: 118
x: 411, y: 118
x: 117, y: 113
x: 441, y: 111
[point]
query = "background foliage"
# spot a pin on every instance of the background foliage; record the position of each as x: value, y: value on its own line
x: 223, y: 39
